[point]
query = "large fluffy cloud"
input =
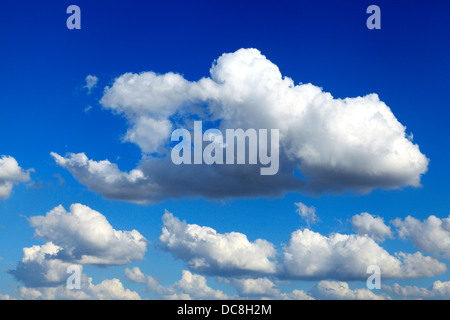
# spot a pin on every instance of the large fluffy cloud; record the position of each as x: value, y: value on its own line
x: 10, y: 174
x: 338, y: 144
x: 210, y: 252
x: 431, y: 235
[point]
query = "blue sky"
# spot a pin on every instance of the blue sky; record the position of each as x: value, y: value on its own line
x: 45, y: 107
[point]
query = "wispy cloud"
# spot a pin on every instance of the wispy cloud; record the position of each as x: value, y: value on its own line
x: 91, y: 82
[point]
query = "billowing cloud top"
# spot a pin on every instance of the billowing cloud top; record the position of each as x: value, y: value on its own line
x: 337, y: 144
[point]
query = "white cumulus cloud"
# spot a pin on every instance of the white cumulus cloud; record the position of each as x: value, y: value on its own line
x: 338, y: 144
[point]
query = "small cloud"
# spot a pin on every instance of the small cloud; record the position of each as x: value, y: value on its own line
x: 86, y: 110
x: 60, y: 179
x: 91, y: 82
x: 307, y: 213
x: 36, y: 185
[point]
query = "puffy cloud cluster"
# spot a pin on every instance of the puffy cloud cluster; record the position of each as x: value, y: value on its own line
x: 83, y: 235
x: 338, y: 144
x: 308, y: 255
x: 431, y: 235
x: 210, y: 252
x: 79, y: 236
x: 10, y: 174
